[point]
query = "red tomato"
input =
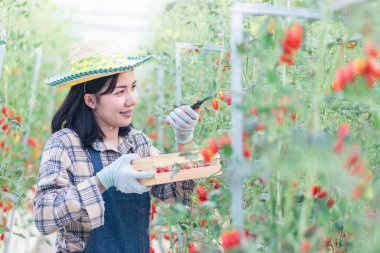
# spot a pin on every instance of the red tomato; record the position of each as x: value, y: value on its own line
x: 167, y: 236
x: 246, y: 151
x: 343, y: 131
x: 331, y: 202
x: 293, y: 117
x: 213, y: 145
x: 245, y: 134
x: 18, y: 119
x: 150, y: 120
x: 4, y: 127
x: 225, y: 140
x: 153, y: 135
x: 287, y: 59
x: 314, y: 189
x: 254, y: 111
x: 357, y: 192
x: 230, y: 239
x: 294, y: 36
x: 5, y: 110
x: 215, y: 104
x: 192, y: 248
x: 228, y: 98
x: 202, y: 194
x: 203, y: 223
x: 206, y: 153
x: 185, y: 167
x: 322, y: 194
x: 371, y: 50
x: 305, y: 246
x: 338, y: 146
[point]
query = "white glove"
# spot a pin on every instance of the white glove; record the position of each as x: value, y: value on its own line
x: 183, y: 120
x: 121, y: 175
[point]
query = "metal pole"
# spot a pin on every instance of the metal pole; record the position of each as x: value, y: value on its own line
x: 341, y: 4
x: 178, y: 76
x: 3, y: 39
x: 160, y: 128
x: 36, y: 72
x: 237, y: 119
x: 52, y: 98
x: 270, y: 10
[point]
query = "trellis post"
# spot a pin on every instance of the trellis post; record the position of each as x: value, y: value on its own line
x: 3, y: 40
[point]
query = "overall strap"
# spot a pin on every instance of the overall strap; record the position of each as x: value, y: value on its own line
x: 95, y: 159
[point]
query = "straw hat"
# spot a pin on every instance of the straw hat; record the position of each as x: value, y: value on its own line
x: 93, y: 60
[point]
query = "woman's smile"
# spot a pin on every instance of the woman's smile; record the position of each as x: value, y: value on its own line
x: 127, y: 114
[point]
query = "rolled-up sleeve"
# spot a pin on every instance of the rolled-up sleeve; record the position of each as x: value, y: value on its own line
x: 58, y: 202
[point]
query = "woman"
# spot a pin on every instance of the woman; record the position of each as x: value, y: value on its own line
x: 87, y: 191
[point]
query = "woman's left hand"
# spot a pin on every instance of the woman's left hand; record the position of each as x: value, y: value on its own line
x: 183, y: 120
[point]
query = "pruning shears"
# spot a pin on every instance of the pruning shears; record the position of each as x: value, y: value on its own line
x: 198, y: 104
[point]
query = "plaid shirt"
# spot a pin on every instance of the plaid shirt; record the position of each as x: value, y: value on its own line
x: 68, y: 200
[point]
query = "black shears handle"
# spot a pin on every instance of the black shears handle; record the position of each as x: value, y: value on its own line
x: 198, y: 104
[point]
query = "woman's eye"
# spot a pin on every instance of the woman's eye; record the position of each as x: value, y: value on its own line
x: 134, y: 86
x: 120, y: 92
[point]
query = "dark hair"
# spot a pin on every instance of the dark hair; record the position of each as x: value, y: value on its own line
x: 76, y: 115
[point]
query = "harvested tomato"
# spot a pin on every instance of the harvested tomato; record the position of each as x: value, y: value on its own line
x: 207, y: 154
x: 213, y: 145
x: 202, y: 194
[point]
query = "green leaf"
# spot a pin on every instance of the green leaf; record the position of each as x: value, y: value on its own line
x: 2, y: 42
x: 20, y: 235
x: 272, y: 76
x: 169, y: 6
x: 31, y: 181
x: 2, y: 182
x: 3, y: 230
x: 227, y: 150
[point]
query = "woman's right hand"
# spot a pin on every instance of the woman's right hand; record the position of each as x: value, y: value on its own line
x: 121, y: 175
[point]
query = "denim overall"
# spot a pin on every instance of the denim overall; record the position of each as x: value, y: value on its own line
x: 126, y: 221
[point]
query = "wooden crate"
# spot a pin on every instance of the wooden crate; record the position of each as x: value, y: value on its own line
x: 192, y: 165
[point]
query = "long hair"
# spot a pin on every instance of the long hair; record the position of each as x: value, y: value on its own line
x: 76, y: 115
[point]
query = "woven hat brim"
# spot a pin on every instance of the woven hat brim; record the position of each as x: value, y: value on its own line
x: 69, y: 79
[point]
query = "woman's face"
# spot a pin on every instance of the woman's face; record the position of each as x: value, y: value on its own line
x: 116, y: 109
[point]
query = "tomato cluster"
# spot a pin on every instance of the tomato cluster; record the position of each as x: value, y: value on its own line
x: 366, y: 67
x: 291, y: 43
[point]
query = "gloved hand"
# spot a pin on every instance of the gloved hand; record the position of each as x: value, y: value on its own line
x: 183, y: 120
x: 121, y: 175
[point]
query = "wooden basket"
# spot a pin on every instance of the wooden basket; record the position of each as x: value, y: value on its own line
x: 176, y: 167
